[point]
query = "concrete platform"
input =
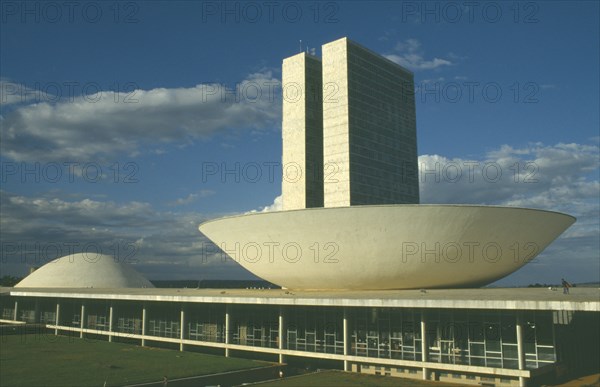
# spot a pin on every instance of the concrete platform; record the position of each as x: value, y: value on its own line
x: 579, y: 299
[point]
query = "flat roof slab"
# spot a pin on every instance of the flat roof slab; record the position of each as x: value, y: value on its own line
x: 579, y: 299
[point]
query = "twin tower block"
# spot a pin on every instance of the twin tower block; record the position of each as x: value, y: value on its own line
x: 349, y: 129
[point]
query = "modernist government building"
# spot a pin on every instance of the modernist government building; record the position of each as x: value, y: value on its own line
x: 372, y: 281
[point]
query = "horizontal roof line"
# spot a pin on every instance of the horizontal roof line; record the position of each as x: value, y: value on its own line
x: 583, y: 299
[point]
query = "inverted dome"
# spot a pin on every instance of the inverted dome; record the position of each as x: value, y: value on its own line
x: 85, y: 270
x: 382, y: 247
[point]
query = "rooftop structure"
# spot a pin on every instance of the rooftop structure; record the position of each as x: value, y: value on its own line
x: 579, y: 299
x: 349, y: 129
x: 85, y: 270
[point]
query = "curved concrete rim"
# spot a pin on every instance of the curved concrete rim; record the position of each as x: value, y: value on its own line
x: 389, y: 205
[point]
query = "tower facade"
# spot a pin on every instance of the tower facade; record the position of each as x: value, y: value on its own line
x: 302, y: 132
x: 369, y: 128
x: 349, y: 129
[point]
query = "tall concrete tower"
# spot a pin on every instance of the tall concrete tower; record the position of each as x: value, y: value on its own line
x: 302, y: 132
x: 349, y: 129
x: 369, y: 128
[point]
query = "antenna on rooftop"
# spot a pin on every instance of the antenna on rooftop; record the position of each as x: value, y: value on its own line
x: 300, y: 45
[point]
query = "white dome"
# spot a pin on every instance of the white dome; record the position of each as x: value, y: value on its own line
x: 85, y: 270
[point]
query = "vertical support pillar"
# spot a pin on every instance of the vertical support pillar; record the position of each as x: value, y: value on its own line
x: 82, y: 322
x: 182, y: 328
x: 110, y: 323
x: 16, y: 313
x: 57, y: 322
x: 227, y: 328
x: 346, y: 339
x: 520, y: 350
x: 424, y: 345
x: 281, y: 335
x: 144, y: 325
x: 36, y: 313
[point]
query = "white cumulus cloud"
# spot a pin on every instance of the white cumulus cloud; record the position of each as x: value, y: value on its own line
x: 410, y: 55
x: 191, y: 198
x: 561, y: 177
x: 95, y: 126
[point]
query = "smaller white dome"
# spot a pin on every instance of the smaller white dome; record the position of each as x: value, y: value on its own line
x: 85, y: 270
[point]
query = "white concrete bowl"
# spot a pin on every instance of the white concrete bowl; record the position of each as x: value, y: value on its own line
x: 386, y: 246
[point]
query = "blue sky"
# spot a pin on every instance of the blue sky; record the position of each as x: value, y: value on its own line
x: 115, y: 135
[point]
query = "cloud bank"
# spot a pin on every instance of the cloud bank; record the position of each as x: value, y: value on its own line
x: 90, y: 127
x: 161, y: 245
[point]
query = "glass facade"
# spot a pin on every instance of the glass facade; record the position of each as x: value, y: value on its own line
x: 97, y: 315
x: 70, y: 313
x: 314, y: 329
x: 475, y: 337
x: 127, y: 319
x: 26, y: 311
x: 255, y: 327
x: 8, y: 312
x: 539, y: 342
x: 206, y: 323
x: 458, y: 337
x: 164, y: 320
x: 385, y: 333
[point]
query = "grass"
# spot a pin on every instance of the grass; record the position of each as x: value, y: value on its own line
x: 349, y: 379
x: 48, y: 360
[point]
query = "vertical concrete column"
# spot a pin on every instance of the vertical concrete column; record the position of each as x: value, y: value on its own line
x: 16, y: 313
x: 82, y: 322
x: 227, y: 328
x: 143, y: 325
x: 346, y: 339
x: 520, y: 350
x: 182, y: 328
x: 57, y: 322
x: 36, y: 313
x: 110, y: 323
x: 281, y: 334
x: 424, y: 345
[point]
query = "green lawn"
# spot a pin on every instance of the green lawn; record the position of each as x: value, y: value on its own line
x: 349, y: 379
x: 48, y: 360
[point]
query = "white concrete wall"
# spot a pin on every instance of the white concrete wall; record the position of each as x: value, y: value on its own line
x: 293, y: 186
x: 336, y: 140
